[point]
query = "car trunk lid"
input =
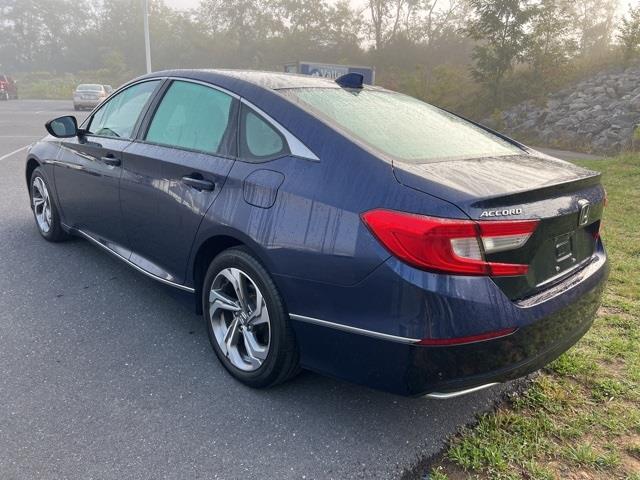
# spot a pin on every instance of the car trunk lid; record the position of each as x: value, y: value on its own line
x: 566, y: 199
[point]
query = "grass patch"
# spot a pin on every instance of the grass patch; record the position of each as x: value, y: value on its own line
x: 581, y: 417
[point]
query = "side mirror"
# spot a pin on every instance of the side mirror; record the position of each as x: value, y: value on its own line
x: 63, y: 127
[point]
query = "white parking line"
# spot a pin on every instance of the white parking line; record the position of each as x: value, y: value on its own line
x: 13, y: 153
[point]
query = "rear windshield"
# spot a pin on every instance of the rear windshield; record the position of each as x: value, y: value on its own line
x: 89, y: 87
x: 399, y: 126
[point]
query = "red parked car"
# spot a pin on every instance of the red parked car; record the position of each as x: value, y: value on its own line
x: 8, y: 88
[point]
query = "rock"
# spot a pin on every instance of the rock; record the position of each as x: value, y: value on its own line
x: 635, y: 102
x: 627, y: 85
x: 602, y: 110
x: 578, y: 106
x: 553, y: 104
x: 564, y: 122
x: 583, y: 115
x: 590, y: 127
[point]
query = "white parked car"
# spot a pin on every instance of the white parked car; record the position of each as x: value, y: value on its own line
x: 89, y: 95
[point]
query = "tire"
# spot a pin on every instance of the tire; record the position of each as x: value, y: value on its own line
x: 76, y: 108
x: 259, y: 366
x: 45, y: 210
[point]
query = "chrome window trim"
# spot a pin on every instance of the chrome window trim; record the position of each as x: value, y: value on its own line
x: 128, y: 262
x: 142, y: 141
x: 206, y: 84
x: 350, y: 329
x: 296, y: 147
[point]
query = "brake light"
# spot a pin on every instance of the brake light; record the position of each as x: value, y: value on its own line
x: 447, y: 245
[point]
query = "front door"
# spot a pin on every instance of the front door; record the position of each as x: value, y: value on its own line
x: 174, y: 172
x: 88, y: 168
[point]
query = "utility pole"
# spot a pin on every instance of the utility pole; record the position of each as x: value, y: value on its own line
x: 147, y: 45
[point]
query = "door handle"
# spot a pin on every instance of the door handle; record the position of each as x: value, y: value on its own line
x: 198, y: 183
x: 111, y: 160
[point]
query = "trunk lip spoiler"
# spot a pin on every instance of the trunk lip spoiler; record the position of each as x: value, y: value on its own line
x: 593, y: 179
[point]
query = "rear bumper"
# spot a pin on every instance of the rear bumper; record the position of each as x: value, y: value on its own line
x: 547, y: 325
x: 525, y: 351
x: 86, y: 103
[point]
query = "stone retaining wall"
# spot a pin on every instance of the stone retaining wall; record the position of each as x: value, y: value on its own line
x: 599, y: 114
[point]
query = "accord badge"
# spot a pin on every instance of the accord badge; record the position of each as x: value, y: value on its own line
x: 501, y: 213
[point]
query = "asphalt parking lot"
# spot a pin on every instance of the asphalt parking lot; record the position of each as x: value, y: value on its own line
x: 107, y: 374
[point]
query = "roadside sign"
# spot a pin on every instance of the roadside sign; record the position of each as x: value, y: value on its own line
x: 332, y: 71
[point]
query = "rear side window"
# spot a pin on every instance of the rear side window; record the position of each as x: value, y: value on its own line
x: 118, y: 117
x: 259, y: 140
x: 194, y: 117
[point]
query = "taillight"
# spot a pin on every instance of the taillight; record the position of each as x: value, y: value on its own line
x: 447, y: 245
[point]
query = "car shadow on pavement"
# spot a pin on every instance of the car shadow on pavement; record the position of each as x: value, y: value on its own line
x: 132, y: 355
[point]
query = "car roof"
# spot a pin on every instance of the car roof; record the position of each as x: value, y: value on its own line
x: 264, y: 79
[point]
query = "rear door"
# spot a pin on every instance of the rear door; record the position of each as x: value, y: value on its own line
x: 172, y: 174
x: 88, y: 167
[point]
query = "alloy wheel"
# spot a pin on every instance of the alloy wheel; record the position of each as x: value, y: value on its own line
x: 239, y: 319
x: 41, y: 202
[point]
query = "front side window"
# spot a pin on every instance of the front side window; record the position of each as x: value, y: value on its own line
x: 193, y: 116
x: 259, y: 140
x: 401, y: 127
x: 118, y: 117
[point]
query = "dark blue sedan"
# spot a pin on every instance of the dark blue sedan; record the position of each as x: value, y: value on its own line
x: 332, y: 226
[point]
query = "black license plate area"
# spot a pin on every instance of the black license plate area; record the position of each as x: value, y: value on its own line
x: 564, y: 247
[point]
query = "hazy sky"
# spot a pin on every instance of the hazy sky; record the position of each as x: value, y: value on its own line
x: 186, y: 4
x: 182, y: 4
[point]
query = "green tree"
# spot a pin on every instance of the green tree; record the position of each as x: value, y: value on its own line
x: 629, y: 34
x: 500, y: 28
x: 551, y: 42
x: 268, y: 33
x: 39, y: 33
x: 344, y: 31
x: 387, y: 19
x: 242, y: 23
x: 594, y: 23
x: 430, y: 20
